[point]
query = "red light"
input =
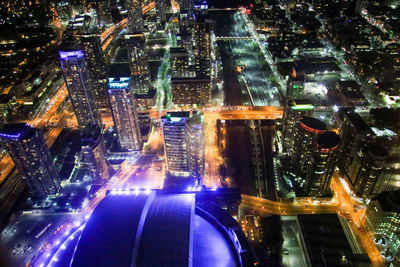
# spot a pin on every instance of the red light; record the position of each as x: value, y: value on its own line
x: 309, y: 129
x: 251, y: 5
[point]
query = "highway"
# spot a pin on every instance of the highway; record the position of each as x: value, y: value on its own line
x: 267, y: 207
x: 254, y: 73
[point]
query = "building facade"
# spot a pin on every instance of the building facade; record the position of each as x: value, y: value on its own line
x: 91, y: 45
x: 191, y: 91
x: 372, y: 172
x: 174, y: 132
x: 195, y: 146
x: 32, y: 158
x: 82, y: 34
x: 383, y: 219
x: 94, y: 153
x: 292, y: 114
x: 322, y: 164
x: 138, y: 62
x: 307, y: 131
x: 183, y: 144
x: 135, y: 16
x: 80, y: 87
x: 124, y: 113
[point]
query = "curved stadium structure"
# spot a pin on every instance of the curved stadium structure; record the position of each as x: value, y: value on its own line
x: 155, y: 228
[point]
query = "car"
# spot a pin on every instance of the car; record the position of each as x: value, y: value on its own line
x: 285, y: 252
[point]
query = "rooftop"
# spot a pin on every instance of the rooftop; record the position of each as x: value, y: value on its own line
x: 90, y: 135
x: 16, y: 131
x: 156, y: 228
x: 312, y: 124
x: 357, y: 121
x: 326, y: 242
x: 328, y: 140
x: 389, y: 201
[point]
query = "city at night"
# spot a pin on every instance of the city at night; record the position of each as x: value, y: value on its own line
x: 204, y: 133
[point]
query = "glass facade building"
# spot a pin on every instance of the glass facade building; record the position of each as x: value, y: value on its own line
x: 32, y: 158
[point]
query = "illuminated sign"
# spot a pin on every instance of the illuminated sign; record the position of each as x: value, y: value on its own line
x: 174, y: 119
x: 68, y: 54
x: 13, y: 136
x: 118, y: 85
x: 302, y: 107
x: 309, y: 129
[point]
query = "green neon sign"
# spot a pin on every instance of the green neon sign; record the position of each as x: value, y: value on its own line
x: 302, y: 107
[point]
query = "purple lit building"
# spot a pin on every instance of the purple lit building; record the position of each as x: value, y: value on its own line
x: 138, y: 227
x: 31, y: 157
x: 80, y: 87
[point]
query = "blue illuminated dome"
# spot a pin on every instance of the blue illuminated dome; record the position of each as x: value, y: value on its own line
x: 156, y: 228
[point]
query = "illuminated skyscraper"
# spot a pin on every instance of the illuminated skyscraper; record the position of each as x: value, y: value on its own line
x: 138, y: 62
x: 195, y: 146
x: 174, y: 132
x: 179, y: 62
x: 94, y: 153
x: 124, y: 113
x: 322, y: 164
x: 183, y: 144
x: 135, y: 16
x: 202, y: 49
x: 91, y: 46
x: 307, y: 130
x: 355, y: 134
x: 82, y: 34
x: 373, y: 171
x: 80, y: 89
x: 32, y: 158
x: 292, y: 114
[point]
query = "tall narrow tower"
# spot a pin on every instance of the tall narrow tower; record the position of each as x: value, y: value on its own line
x: 174, y: 132
x: 80, y: 88
x: 183, y: 144
x: 32, y: 158
x: 82, y: 34
x: 124, y: 113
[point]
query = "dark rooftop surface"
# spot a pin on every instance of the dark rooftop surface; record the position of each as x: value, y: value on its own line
x: 348, y: 84
x: 177, y: 114
x: 389, y: 200
x: 90, y: 134
x: 119, y: 70
x: 313, y: 123
x: 326, y: 242
x: 357, y: 121
x: 149, y: 95
x: 378, y: 152
x: 328, y: 140
x: 16, y: 130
